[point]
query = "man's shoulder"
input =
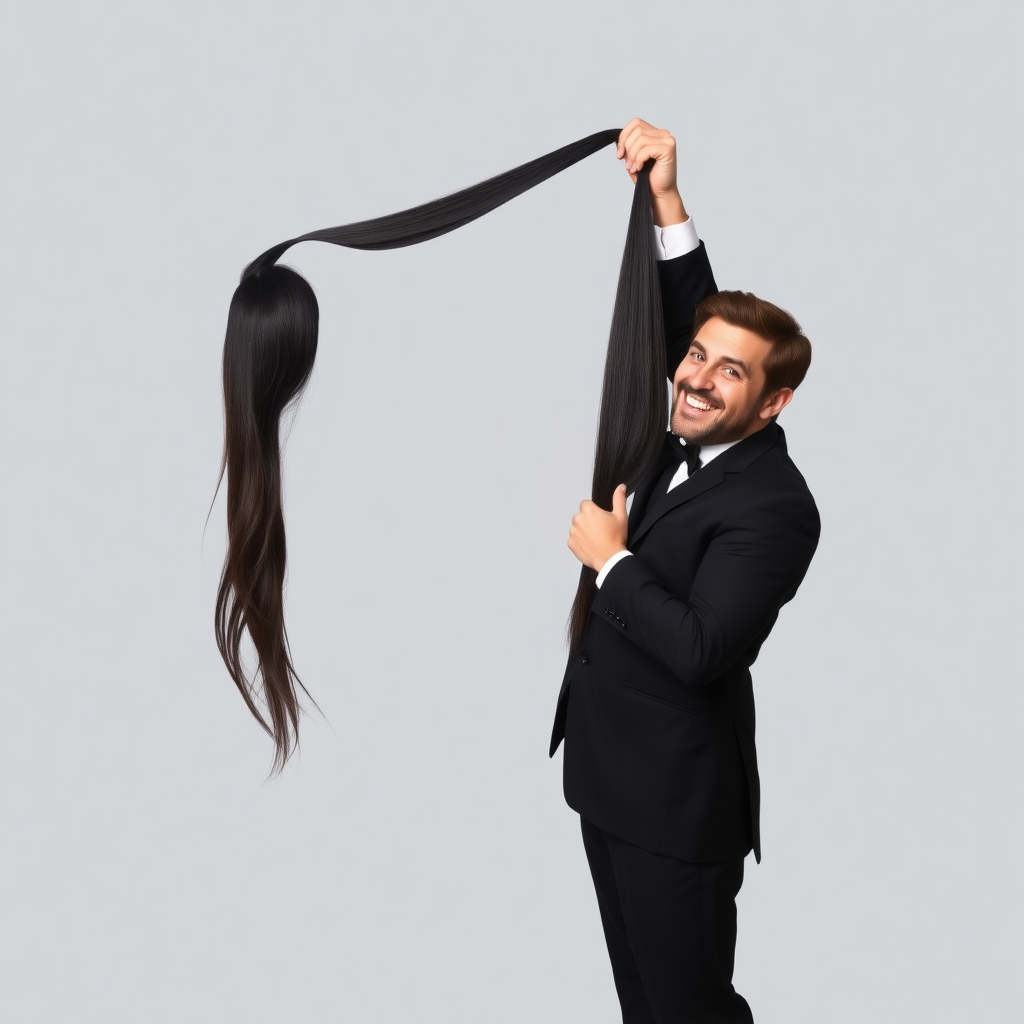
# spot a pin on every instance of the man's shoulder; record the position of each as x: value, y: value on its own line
x: 778, y: 467
x: 764, y: 452
x: 768, y: 477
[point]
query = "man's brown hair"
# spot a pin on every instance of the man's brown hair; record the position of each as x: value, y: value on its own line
x: 790, y: 355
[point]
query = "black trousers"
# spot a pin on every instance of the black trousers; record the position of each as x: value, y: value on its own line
x: 671, y: 932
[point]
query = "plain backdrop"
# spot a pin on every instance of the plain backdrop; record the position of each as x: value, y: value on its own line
x: 858, y: 165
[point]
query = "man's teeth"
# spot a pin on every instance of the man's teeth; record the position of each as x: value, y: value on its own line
x: 696, y: 403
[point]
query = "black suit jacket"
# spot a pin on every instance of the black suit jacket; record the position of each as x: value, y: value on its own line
x: 657, y: 708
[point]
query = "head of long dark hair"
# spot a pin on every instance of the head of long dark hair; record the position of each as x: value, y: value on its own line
x: 269, y: 351
x: 634, y: 398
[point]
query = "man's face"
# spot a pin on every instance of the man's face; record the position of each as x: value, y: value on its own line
x: 719, y: 387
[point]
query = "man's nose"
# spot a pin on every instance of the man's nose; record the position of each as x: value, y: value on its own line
x: 699, y: 379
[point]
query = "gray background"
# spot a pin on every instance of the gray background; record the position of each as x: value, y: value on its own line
x: 417, y: 861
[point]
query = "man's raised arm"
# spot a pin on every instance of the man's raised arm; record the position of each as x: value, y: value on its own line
x: 683, y: 266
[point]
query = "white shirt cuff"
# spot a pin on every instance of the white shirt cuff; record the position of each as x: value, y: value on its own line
x: 609, y: 565
x: 675, y: 240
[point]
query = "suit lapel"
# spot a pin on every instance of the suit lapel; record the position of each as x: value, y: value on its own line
x: 642, y: 495
x: 735, y: 460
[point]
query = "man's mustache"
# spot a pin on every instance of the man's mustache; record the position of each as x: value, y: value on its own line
x: 704, y: 396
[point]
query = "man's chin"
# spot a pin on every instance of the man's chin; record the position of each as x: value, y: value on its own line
x: 693, y: 433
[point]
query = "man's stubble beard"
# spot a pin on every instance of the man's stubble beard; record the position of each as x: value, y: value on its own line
x: 721, y: 431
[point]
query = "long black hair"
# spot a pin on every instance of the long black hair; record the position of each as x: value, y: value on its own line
x: 269, y: 349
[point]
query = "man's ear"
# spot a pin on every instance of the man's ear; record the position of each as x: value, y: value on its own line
x: 774, y: 404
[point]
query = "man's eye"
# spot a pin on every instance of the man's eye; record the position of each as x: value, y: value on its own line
x: 731, y: 372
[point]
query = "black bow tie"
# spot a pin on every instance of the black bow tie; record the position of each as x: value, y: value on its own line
x: 688, y: 453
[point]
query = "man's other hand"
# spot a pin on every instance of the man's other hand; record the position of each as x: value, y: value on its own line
x: 639, y: 142
x: 596, y: 535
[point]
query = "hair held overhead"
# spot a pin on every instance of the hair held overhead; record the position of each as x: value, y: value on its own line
x: 269, y: 350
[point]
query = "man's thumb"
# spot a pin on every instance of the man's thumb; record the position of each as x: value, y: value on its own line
x: 619, y: 500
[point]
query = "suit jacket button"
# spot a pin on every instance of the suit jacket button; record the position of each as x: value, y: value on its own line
x: 584, y: 658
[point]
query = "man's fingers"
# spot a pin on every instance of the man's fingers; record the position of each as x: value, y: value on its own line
x: 651, y: 149
x: 626, y: 137
x: 638, y: 124
x: 634, y: 140
x: 639, y: 142
x: 620, y: 146
x: 573, y: 541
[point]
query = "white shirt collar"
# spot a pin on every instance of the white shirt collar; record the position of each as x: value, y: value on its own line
x: 707, y: 453
x: 712, y: 451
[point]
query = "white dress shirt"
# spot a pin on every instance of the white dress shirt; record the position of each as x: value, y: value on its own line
x: 675, y: 240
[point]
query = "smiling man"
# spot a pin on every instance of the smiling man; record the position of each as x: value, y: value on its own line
x: 657, y: 706
x: 722, y: 387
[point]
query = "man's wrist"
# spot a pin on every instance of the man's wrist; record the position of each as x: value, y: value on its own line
x: 668, y: 208
x: 610, y: 564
